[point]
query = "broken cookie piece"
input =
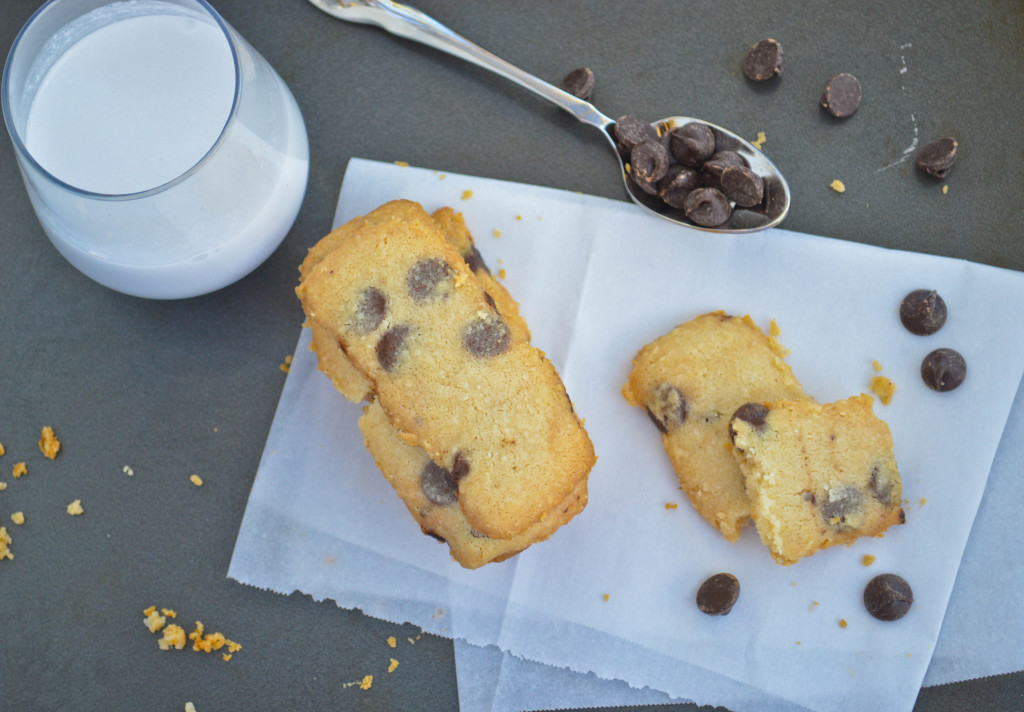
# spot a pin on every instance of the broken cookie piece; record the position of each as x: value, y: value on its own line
x: 817, y: 475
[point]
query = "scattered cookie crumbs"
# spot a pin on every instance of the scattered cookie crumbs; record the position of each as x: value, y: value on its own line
x: 519, y: 217
x: 5, y: 545
x: 759, y: 141
x: 883, y: 388
x: 196, y: 480
x: 365, y: 684
x: 48, y: 443
x: 189, y: 707
x: 923, y: 501
x: 392, y: 642
x: 442, y: 176
x: 174, y: 637
x: 75, y: 508
x: 867, y: 560
x: 814, y: 604
x: 838, y: 186
x: 18, y: 518
x: 501, y: 273
x: 798, y: 643
x: 842, y: 623
x: 226, y: 656
x: 497, y: 232
x: 605, y: 597
x: 169, y: 613
x: 671, y: 505
x: 877, y: 366
x: 20, y: 468
x: 153, y: 620
x: 392, y: 665
x: 2, y: 451
x: 402, y: 164
x: 3, y: 486
x: 128, y: 471
x: 945, y: 189
x: 287, y: 365
x: 773, y: 329
x: 467, y: 194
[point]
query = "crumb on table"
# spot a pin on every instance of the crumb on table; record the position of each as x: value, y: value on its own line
x: 5, y: 544
x: 838, y: 186
x: 883, y: 388
x: 153, y: 620
x: 867, y: 560
x: 75, y: 508
x: 18, y: 518
x: 174, y: 637
x: 392, y: 665
x: 2, y: 451
x: 20, y: 468
x: 48, y: 442
x: 196, y: 480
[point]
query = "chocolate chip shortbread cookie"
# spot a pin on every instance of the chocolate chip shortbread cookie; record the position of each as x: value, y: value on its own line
x: 454, y: 378
x: 431, y: 494
x: 691, y: 381
x: 817, y: 475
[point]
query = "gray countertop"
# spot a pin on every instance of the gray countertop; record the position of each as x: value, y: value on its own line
x: 180, y: 387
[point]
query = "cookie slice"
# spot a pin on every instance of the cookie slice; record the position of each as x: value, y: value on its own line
x: 431, y: 495
x: 817, y: 475
x: 691, y: 381
x: 454, y: 378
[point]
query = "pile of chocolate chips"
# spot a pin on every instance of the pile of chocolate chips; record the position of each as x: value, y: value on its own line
x: 686, y: 168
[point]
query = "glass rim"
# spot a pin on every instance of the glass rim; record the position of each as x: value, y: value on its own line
x: 26, y: 155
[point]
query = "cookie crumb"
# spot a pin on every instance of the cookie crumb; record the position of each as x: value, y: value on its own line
x: 153, y: 620
x: 867, y: 560
x: 773, y: 329
x: 48, y: 443
x: 883, y: 388
x: 466, y: 195
x: 392, y: 665
x: 169, y: 613
x: 497, y: 232
x: 838, y: 186
x: 128, y: 471
x: 402, y: 164
x: 3, y: 486
x: 196, y: 480
x: 945, y: 189
x: 392, y: 642
x: 671, y: 505
x: 5, y: 544
x: 287, y: 365
x: 189, y: 707
x: 605, y: 597
x: 759, y: 141
x: 923, y: 501
x: 876, y: 365
x: 20, y: 468
x: 2, y: 451
x: 226, y: 656
x: 174, y: 637
x: 366, y: 683
x: 18, y: 518
x: 75, y: 508
x: 842, y: 623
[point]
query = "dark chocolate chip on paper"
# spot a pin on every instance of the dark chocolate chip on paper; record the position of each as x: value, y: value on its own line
x: 888, y: 597
x: 943, y: 369
x: 923, y: 312
x: 718, y: 594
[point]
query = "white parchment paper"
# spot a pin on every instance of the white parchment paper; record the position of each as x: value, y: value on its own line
x: 612, y: 593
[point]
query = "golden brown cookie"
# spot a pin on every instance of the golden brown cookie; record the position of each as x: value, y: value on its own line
x: 453, y: 375
x: 691, y: 381
x: 817, y: 475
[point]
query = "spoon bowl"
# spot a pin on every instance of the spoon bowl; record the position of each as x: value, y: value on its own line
x: 407, y: 22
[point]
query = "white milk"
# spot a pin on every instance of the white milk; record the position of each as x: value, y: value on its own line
x: 133, y: 105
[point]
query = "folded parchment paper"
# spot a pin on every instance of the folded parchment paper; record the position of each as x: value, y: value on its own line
x: 612, y: 593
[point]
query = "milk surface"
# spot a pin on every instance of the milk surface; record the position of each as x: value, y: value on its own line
x: 133, y: 104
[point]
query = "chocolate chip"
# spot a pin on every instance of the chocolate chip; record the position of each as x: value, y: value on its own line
x: 692, y: 143
x: 742, y: 186
x: 842, y: 503
x: 923, y: 312
x: 937, y: 158
x: 438, y: 485
x: 429, y: 279
x: 753, y: 413
x: 371, y: 309
x: 711, y: 169
x: 579, y: 83
x: 678, y: 182
x: 763, y: 60
x: 842, y: 95
x: 667, y: 407
x: 882, y: 485
x: 475, y: 260
x: 943, y: 369
x: 717, y: 595
x: 389, y: 348
x: 460, y: 466
x: 631, y: 130
x: 707, y: 206
x: 888, y: 597
x: 648, y: 163
x: 486, y: 337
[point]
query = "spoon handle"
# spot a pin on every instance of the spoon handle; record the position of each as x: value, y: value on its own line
x: 405, y: 21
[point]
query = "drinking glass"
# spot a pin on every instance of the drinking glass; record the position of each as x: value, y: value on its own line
x: 164, y: 157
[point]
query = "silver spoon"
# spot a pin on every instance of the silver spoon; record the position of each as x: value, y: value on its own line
x: 404, y: 21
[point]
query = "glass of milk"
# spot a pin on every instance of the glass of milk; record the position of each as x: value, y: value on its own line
x: 164, y: 157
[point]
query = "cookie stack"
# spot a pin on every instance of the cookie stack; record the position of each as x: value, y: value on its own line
x: 747, y: 442
x: 468, y: 421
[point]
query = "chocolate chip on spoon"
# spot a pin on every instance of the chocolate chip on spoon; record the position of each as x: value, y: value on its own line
x: 707, y: 207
